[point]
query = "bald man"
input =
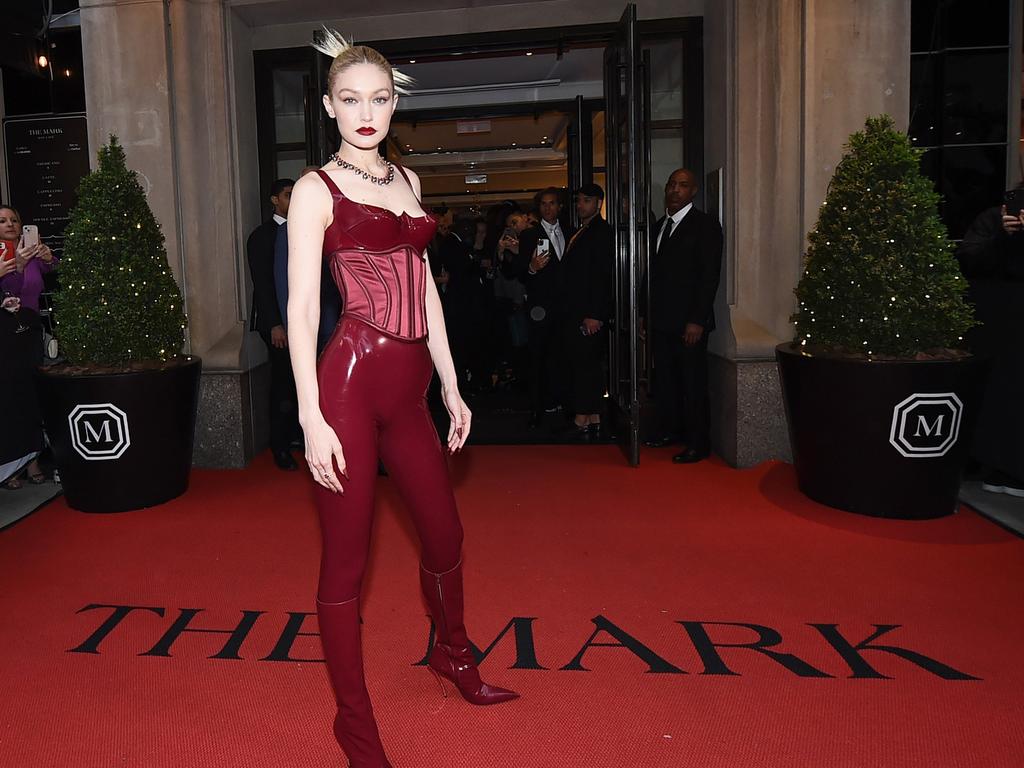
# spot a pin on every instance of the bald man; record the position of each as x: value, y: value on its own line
x: 685, y: 265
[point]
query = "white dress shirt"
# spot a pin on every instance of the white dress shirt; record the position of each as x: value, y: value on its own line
x: 671, y: 222
x: 279, y: 219
x: 554, y: 232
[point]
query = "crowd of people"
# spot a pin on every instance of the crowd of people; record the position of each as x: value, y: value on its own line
x: 24, y: 265
x: 526, y: 300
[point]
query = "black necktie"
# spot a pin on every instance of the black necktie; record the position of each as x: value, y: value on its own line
x: 666, y: 233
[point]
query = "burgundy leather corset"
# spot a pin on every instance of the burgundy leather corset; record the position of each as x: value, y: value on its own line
x: 376, y: 259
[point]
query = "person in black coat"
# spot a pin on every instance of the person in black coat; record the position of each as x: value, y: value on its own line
x: 266, y: 320
x: 462, y: 310
x: 587, y: 274
x: 540, y: 269
x: 991, y: 256
x: 685, y: 267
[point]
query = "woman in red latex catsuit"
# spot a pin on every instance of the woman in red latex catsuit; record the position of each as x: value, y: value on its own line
x: 367, y: 391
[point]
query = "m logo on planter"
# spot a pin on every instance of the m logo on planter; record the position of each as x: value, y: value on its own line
x: 926, y: 425
x: 99, y: 431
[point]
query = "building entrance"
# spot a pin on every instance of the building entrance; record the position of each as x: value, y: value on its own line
x: 493, y: 120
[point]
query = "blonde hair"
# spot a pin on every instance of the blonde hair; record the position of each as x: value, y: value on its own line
x: 331, y: 43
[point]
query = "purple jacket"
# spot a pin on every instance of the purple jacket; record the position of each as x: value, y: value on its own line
x: 28, y: 284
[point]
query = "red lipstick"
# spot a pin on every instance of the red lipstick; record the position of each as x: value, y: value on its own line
x: 366, y: 131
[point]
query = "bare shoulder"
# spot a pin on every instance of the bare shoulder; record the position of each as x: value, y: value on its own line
x: 308, y: 183
x: 414, y: 180
x: 312, y: 192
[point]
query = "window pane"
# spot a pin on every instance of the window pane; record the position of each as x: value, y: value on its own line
x: 974, y: 96
x: 924, y: 30
x: 924, y: 115
x: 290, y: 164
x: 597, y: 136
x: 289, y: 106
x: 971, y: 181
x: 970, y: 23
x: 667, y: 79
x: 666, y: 156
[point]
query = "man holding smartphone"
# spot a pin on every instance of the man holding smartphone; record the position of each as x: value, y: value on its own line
x: 539, y: 261
x: 991, y: 256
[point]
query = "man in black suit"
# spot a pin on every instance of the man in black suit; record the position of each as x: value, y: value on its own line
x: 266, y: 319
x: 461, y: 304
x: 587, y: 275
x: 684, y: 275
x: 540, y: 269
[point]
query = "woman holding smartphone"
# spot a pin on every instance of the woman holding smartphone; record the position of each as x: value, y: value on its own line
x: 23, y: 262
x: 31, y: 260
x: 365, y: 396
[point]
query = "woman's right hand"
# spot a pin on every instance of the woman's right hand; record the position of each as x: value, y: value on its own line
x: 24, y: 255
x: 1012, y: 224
x: 323, y: 450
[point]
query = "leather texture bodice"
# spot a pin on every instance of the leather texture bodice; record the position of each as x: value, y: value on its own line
x: 376, y: 259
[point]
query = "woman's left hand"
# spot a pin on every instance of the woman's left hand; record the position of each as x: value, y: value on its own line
x: 45, y: 254
x: 460, y: 416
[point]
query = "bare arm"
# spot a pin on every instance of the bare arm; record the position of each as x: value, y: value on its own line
x: 309, y: 215
x: 437, y: 339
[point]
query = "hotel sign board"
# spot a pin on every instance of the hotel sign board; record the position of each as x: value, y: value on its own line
x: 46, y: 157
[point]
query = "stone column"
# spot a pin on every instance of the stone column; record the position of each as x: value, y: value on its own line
x: 156, y: 74
x: 787, y: 81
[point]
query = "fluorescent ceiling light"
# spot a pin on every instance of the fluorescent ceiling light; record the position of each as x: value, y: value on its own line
x: 487, y: 87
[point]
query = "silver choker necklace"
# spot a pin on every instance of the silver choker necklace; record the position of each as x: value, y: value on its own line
x: 383, y: 181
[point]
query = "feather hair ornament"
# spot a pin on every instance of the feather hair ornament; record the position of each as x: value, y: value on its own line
x: 332, y: 43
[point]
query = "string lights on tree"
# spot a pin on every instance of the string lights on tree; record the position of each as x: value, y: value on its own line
x: 115, y: 259
x: 880, y: 277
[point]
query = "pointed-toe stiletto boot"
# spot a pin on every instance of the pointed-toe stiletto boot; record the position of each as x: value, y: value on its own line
x: 354, y: 726
x: 452, y: 657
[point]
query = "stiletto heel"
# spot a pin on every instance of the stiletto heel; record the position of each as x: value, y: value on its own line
x: 440, y: 681
x: 452, y: 657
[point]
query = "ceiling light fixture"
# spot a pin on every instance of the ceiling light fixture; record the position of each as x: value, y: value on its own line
x: 487, y: 87
x: 412, y: 61
x: 529, y: 53
x: 42, y: 61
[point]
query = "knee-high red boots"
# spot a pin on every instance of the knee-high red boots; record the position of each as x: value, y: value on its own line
x: 451, y: 657
x: 354, y: 726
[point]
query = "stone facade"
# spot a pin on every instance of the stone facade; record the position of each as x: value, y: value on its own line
x: 786, y: 81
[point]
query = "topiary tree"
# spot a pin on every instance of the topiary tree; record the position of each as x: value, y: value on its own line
x: 117, y: 302
x: 880, y: 276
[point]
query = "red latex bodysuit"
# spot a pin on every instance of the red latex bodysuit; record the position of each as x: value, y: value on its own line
x: 373, y: 377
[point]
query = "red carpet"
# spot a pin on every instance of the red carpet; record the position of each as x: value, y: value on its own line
x: 566, y: 539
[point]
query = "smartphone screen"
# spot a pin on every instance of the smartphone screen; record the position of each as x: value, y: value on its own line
x: 542, y: 245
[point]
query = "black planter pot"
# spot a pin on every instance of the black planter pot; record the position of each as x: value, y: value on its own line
x: 122, y: 441
x: 881, y: 438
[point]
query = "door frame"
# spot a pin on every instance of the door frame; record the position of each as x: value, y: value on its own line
x: 469, y: 45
